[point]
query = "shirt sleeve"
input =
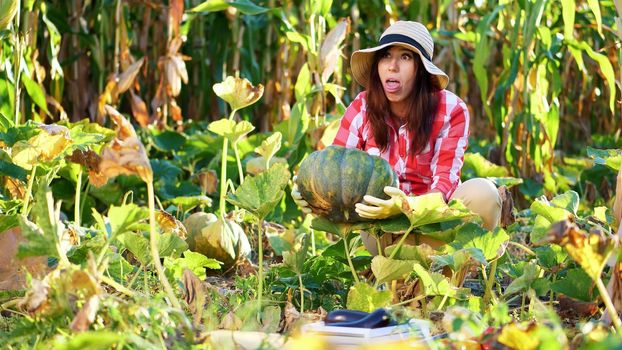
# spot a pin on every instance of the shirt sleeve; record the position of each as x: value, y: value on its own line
x: 449, y: 150
x: 350, y: 133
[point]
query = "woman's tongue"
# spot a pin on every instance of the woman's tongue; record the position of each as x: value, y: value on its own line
x: 392, y: 86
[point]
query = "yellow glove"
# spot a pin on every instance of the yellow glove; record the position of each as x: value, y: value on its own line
x: 381, y: 208
x: 302, y: 204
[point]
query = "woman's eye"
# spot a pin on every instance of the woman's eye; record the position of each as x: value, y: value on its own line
x: 406, y: 56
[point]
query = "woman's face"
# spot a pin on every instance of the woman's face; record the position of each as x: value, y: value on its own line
x: 397, y: 70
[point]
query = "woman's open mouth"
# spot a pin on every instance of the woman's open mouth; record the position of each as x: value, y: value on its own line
x: 392, y: 85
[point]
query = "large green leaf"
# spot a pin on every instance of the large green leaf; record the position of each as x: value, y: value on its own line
x: 434, y: 283
x: 609, y: 157
x: 126, y: 218
x: 36, y: 242
x: 7, y: 222
x: 35, y: 91
x: 460, y: 258
x: 195, y: 262
x: 550, y: 256
x: 12, y: 170
x: 471, y: 235
x: 296, y: 257
x: 568, y: 200
x: 138, y: 245
x: 479, y: 166
x: 576, y: 284
x: 169, y: 141
x: 549, y: 212
x: 568, y: 14
x: 526, y: 281
x: 94, y: 340
x: 387, y: 270
x: 431, y: 208
x: 171, y: 245
x: 260, y: 194
x: 422, y: 254
x: 364, y: 297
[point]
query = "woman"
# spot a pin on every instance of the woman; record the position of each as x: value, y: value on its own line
x: 406, y: 117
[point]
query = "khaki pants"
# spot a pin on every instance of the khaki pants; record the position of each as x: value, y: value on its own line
x: 479, y: 195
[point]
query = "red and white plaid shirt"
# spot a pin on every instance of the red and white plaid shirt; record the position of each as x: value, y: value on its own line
x: 437, y: 167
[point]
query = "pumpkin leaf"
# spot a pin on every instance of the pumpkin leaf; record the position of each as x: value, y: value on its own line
x: 171, y: 245
x: 387, y: 270
x: 421, y: 253
x: 12, y: 170
x: 434, y: 283
x: 138, y: 245
x: 568, y: 200
x: 576, y: 284
x: 169, y: 141
x: 364, y: 297
x: 460, y: 258
x: 296, y: 257
x: 238, y: 92
x: 222, y: 127
x: 431, y: 208
x: 475, y: 165
x: 531, y: 273
x: 491, y: 244
x: 269, y: 147
x: 125, y: 218
x: 550, y: 256
x: 195, y: 262
x: 608, y: 157
x: 260, y: 194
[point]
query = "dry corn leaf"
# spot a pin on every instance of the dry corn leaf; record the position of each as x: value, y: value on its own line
x: 617, y: 205
x: 175, y: 111
x: 176, y: 12
x: 238, y: 92
x: 329, y: 52
x: 139, y: 109
x: 127, y: 78
x: 125, y: 154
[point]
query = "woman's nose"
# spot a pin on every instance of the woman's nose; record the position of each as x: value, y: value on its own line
x: 393, y: 66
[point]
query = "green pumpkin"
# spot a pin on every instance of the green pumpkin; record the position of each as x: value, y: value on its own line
x: 334, y: 179
x: 223, y: 240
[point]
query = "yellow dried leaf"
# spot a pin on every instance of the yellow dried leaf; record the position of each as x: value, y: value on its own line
x: 208, y: 180
x: 168, y: 223
x: 519, y: 338
x: 238, y: 92
x: 86, y: 316
x: 43, y: 147
x: 125, y: 154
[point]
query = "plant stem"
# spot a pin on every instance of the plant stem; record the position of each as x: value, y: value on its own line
x: 76, y: 203
x: 237, y: 160
x: 615, y: 318
x: 28, y: 194
x: 154, y: 248
x: 518, y: 245
x: 260, y: 272
x: 522, y: 304
x: 313, y: 242
x: 400, y: 243
x: 345, y: 244
x: 17, y: 61
x: 223, y: 170
x: 490, y: 281
x: 302, y: 294
x: 109, y: 281
x: 223, y: 177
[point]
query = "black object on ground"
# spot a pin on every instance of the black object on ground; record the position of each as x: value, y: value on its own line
x: 358, y: 319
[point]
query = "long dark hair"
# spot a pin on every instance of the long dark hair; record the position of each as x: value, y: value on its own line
x: 422, y: 106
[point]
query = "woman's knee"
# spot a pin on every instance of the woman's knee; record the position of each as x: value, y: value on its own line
x: 481, y: 196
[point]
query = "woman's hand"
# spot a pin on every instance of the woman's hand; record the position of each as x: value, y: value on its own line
x: 381, y: 208
x: 301, y: 203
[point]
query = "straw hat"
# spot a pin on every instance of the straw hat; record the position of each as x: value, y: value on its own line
x: 411, y: 35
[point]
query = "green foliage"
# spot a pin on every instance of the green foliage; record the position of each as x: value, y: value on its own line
x: 364, y: 297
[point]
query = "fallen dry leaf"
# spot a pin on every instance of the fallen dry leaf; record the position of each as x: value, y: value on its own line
x: 86, y: 316
x: 13, y: 270
x: 194, y: 294
x: 125, y: 154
